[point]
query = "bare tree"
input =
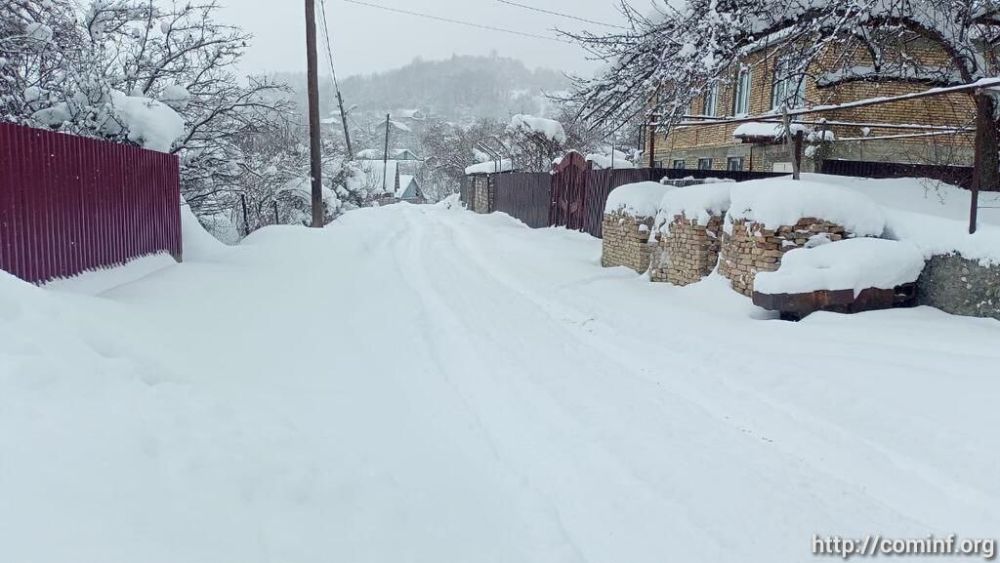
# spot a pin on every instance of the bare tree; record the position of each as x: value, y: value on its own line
x: 664, y: 61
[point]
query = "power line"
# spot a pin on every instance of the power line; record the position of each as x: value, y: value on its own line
x: 560, y: 14
x: 454, y: 21
x: 329, y: 47
x: 336, y: 84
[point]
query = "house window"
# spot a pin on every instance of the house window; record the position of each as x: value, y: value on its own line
x: 704, y: 164
x: 680, y: 164
x: 789, y: 86
x: 710, y: 100
x: 741, y: 98
x: 734, y: 163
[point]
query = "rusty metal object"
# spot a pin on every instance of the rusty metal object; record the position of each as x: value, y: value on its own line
x: 795, y: 306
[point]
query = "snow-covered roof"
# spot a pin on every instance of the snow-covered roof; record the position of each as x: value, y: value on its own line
x: 856, y: 264
x: 640, y: 199
x: 548, y: 128
x: 491, y: 167
x: 370, y: 154
x: 766, y: 130
x: 776, y: 202
x: 374, y: 177
x: 414, y: 114
x: 404, y: 154
x: 404, y: 184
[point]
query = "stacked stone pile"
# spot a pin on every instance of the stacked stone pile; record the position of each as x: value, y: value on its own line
x: 749, y: 247
x: 625, y: 241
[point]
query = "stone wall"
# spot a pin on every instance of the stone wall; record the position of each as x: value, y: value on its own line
x: 688, y: 252
x: 960, y: 286
x: 483, y: 193
x: 750, y: 248
x: 626, y: 241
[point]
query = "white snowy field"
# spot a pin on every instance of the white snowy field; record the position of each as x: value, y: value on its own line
x: 422, y: 384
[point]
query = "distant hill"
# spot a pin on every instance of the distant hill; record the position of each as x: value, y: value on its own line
x: 461, y: 88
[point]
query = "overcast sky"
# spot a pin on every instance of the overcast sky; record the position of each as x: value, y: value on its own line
x: 367, y: 39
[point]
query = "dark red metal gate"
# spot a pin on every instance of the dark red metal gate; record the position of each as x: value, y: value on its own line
x: 569, y: 192
x: 70, y: 204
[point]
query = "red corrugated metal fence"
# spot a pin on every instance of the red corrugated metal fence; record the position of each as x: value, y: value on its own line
x: 70, y: 204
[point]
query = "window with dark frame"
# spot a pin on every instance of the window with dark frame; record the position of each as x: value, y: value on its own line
x: 734, y: 163
x: 704, y: 164
x: 680, y: 164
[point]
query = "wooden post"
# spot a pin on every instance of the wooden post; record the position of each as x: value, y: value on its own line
x: 651, y: 130
x: 277, y: 221
x: 385, y: 155
x: 315, y: 156
x: 787, y: 122
x: 985, y: 165
x: 797, y: 162
x: 246, y: 215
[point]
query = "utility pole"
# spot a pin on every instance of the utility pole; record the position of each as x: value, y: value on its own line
x: 343, y: 119
x: 385, y: 155
x: 316, y: 167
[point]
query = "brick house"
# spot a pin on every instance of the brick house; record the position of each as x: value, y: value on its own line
x: 761, y: 82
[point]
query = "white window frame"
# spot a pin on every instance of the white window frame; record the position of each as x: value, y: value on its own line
x: 710, y: 95
x: 741, y: 94
x: 782, y: 83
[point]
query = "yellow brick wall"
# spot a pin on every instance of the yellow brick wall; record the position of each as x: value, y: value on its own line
x: 954, y: 110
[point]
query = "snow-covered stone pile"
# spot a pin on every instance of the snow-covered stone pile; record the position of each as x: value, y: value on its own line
x: 884, y: 234
x: 773, y: 203
x: 641, y: 199
x: 767, y: 218
x: 688, y: 229
x: 627, y: 224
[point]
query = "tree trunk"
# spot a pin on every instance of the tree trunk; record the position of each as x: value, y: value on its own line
x: 986, y: 165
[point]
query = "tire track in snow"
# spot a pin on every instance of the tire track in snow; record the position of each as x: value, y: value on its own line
x: 794, y: 430
x: 445, y: 356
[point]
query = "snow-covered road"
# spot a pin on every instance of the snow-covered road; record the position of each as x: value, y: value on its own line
x: 423, y: 384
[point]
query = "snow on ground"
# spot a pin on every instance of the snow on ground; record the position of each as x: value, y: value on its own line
x: 423, y: 384
x: 931, y: 214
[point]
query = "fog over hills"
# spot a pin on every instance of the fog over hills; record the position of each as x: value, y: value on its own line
x: 460, y: 89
